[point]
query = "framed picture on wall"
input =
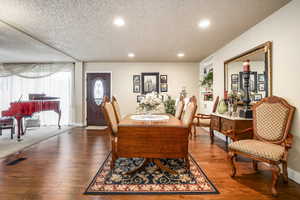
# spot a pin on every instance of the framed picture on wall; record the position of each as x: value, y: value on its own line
x: 163, y: 78
x: 164, y: 87
x: 150, y: 82
x: 136, y: 83
x: 261, y: 78
x: 234, y: 78
x: 261, y: 87
x: 257, y: 97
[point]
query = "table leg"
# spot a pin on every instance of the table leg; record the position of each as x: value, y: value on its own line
x: 161, y: 166
x: 142, y: 166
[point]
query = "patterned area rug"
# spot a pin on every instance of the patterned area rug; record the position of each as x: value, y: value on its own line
x: 151, y: 180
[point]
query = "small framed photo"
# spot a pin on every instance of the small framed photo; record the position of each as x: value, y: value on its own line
x: 257, y: 97
x: 261, y: 78
x: 234, y: 86
x: 261, y: 87
x: 136, y: 83
x: 164, y: 87
x: 234, y: 78
x: 163, y: 78
x: 139, y: 98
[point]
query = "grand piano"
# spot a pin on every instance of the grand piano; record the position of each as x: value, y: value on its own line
x: 36, y: 103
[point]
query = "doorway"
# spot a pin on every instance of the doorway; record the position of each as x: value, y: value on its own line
x: 98, y: 86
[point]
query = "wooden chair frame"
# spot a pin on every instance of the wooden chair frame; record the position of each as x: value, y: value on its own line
x: 115, y: 109
x: 285, y: 141
x: 204, y: 116
x: 181, y: 99
x: 113, y: 136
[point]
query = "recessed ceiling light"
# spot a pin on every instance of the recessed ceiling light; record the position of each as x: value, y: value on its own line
x: 131, y: 55
x: 119, y: 21
x: 204, y: 23
x: 180, y: 55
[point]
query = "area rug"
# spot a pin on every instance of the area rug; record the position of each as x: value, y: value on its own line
x: 150, y: 180
x: 31, y: 137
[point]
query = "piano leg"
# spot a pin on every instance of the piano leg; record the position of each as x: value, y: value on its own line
x: 59, y: 117
x: 19, y: 123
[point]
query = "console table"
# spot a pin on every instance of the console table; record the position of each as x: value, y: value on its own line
x: 224, y: 123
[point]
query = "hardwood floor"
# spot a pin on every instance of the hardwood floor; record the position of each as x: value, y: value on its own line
x: 62, y: 167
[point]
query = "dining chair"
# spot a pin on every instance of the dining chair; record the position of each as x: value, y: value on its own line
x: 272, y: 119
x: 179, y: 108
x: 189, y: 113
x: 111, y: 119
x: 204, y: 120
x: 116, y: 109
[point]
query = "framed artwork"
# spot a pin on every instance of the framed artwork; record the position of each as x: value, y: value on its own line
x: 261, y: 78
x: 261, y: 87
x: 136, y: 83
x: 234, y: 86
x: 234, y: 78
x: 163, y: 78
x: 150, y: 82
x: 257, y: 97
x: 139, y: 98
x: 164, y: 87
x: 252, y: 81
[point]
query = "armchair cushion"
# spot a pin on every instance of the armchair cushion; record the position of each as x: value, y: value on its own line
x: 258, y: 148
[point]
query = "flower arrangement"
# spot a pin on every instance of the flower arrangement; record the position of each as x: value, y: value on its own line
x: 151, y: 102
x: 233, y: 98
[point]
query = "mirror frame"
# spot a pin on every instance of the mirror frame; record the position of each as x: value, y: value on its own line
x: 267, y: 48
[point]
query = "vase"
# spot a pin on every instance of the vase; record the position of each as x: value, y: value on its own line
x: 222, y: 107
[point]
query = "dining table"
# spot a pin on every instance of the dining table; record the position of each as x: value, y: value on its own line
x: 153, y: 137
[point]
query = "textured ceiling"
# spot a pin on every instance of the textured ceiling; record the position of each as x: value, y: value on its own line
x: 155, y: 30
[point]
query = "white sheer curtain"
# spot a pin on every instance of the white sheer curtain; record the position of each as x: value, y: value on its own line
x: 59, y: 84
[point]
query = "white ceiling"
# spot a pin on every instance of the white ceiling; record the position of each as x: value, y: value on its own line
x: 155, y: 30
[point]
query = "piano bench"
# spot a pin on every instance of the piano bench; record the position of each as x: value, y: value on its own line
x: 7, y: 123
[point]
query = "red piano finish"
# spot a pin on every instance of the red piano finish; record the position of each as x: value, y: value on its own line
x: 22, y: 109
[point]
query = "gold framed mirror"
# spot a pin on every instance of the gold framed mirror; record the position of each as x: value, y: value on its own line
x: 260, y: 59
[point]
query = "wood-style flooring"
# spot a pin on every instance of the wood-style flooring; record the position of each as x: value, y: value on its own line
x: 62, y: 167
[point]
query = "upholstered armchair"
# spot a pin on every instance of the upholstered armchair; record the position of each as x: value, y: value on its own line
x: 179, y: 108
x: 111, y: 119
x: 272, y: 119
x: 116, y: 109
x: 189, y: 113
x: 203, y: 120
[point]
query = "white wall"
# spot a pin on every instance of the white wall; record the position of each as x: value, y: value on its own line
x: 283, y: 29
x: 179, y: 75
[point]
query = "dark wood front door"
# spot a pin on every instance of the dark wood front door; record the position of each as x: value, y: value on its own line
x: 98, y: 86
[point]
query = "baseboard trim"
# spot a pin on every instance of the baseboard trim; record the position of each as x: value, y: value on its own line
x: 293, y: 175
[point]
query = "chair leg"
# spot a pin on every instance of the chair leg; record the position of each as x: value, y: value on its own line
x: 275, y: 174
x: 0, y: 131
x: 285, y: 172
x: 254, y: 163
x: 113, y: 155
x: 195, y: 130
x: 231, y: 156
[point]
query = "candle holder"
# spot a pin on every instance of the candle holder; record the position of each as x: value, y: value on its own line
x: 246, y: 112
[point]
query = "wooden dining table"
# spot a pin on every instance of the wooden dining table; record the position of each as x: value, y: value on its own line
x: 153, y: 140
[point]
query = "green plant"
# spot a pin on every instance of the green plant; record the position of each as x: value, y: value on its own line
x: 208, y: 80
x: 170, y: 105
